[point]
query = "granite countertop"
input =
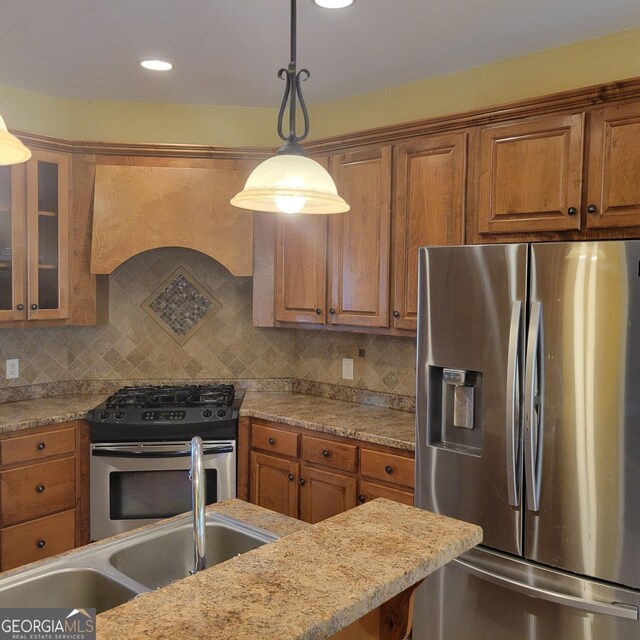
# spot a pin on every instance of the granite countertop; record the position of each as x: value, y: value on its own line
x: 39, y: 412
x: 308, y: 584
x: 349, y: 419
x: 360, y: 421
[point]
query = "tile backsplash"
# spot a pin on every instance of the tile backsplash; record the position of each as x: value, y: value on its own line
x: 133, y: 345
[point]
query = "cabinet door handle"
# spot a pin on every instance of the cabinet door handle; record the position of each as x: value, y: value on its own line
x: 572, y: 211
x: 34, y: 306
x: 20, y: 307
x: 41, y: 543
x: 301, y: 481
x: 318, y: 310
x: 332, y: 311
x: 40, y: 446
x: 389, y: 469
x: 272, y: 441
x: 396, y: 314
x: 325, y: 453
x: 40, y: 488
x: 592, y: 208
x: 361, y: 498
x: 291, y: 476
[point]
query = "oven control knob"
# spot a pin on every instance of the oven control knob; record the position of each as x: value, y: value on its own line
x: 207, y: 413
x: 119, y: 414
x: 103, y: 415
x: 221, y: 413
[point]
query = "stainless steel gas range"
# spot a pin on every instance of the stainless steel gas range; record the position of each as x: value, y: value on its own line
x: 140, y: 453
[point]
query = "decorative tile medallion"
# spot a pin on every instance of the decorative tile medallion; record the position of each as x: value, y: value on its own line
x: 180, y: 305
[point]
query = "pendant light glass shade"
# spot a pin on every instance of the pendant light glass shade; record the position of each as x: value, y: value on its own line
x: 12, y: 151
x: 290, y: 183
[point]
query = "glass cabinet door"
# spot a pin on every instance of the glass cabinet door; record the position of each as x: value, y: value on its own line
x: 48, y: 213
x: 12, y: 243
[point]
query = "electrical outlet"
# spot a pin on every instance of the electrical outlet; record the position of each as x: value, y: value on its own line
x: 13, y: 368
x: 347, y: 368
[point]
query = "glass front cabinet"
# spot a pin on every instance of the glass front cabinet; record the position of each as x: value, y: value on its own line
x: 34, y: 238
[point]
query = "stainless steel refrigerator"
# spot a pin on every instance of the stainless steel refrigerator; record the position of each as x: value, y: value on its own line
x: 528, y: 424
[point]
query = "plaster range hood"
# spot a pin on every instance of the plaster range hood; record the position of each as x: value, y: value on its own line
x: 138, y: 208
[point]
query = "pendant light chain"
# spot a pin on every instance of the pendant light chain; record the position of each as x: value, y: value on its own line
x: 292, y: 95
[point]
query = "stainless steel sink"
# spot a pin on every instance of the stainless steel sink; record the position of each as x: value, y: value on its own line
x: 104, y: 575
x: 159, y: 560
x: 74, y: 588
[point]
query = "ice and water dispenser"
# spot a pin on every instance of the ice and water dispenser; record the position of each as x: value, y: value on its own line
x: 455, y: 409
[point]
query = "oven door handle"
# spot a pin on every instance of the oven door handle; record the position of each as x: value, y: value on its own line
x: 180, y: 453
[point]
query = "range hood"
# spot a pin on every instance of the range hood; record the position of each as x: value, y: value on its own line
x: 138, y: 208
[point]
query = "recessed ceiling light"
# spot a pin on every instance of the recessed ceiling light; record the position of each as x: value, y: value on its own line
x: 156, y: 65
x: 334, y: 4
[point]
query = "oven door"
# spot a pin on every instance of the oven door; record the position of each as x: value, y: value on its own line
x: 134, y: 484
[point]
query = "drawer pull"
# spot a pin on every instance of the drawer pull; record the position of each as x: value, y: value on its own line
x: 40, y: 488
x: 301, y: 481
x: 325, y: 453
x: 40, y: 544
x: 40, y: 446
x: 361, y: 498
x: 272, y: 441
x: 291, y: 476
x: 389, y: 469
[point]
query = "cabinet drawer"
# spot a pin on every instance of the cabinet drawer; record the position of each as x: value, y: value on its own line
x: 330, y: 454
x: 37, y: 490
x: 36, y: 540
x: 387, y: 467
x: 275, y: 440
x: 371, y: 490
x: 33, y: 447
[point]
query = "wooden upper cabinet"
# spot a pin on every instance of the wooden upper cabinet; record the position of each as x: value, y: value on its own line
x: 300, y: 281
x: 359, y: 240
x: 531, y: 175
x: 48, y: 188
x: 430, y: 184
x: 34, y: 238
x: 613, y: 193
x: 13, y: 292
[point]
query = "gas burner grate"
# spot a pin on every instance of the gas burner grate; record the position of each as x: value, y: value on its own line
x: 163, y: 396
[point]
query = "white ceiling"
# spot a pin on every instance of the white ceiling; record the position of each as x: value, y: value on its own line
x: 227, y: 52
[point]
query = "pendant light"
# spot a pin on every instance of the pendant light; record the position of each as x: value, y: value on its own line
x: 12, y: 151
x: 290, y: 182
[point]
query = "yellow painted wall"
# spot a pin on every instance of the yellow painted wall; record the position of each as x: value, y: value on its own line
x: 605, y: 59
x: 581, y: 64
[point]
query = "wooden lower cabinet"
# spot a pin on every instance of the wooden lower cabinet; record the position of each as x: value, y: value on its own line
x: 37, y: 539
x: 324, y: 494
x: 312, y: 477
x: 274, y: 483
x: 43, y: 492
x: 372, y: 490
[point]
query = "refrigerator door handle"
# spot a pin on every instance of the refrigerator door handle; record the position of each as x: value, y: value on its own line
x: 513, y: 440
x: 617, y: 609
x: 533, y: 407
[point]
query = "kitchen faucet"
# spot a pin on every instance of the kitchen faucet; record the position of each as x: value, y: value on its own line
x: 198, y: 503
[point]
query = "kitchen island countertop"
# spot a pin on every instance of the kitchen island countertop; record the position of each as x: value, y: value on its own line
x: 308, y: 584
